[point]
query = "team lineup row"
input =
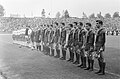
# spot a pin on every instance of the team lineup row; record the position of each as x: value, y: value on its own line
x: 82, y: 41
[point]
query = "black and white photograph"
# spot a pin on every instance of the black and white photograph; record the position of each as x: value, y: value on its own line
x: 59, y: 39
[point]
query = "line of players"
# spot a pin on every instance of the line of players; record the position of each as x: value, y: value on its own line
x: 81, y: 40
x: 85, y: 43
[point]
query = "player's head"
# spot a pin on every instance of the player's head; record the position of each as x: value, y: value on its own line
x: 70, y: 25
x: 88, y: 26
x: 56, y: 23
x: 62, y: 25
x: 99, y: 24
x: 80, y: 25
x: 75, y: 24
x: 51, y: 26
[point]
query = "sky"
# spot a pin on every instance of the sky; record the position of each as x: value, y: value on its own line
x: 31, y: 8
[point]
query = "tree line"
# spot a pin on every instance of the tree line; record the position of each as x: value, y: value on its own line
x: 65, y: 14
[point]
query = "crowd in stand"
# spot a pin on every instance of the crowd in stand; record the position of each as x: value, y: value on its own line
x: 9, y: 24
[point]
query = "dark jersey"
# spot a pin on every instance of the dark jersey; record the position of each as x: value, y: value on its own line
x: 100, y: 38
x: 26, y: 31
x: 90, y: 38
x: 57, y: 35
x: 43, y: 35
x: 32, y: 36
x: 80, y: 37
x: 70, y: 38
x: 76, y: 37
x: 63, y: 36
x: 38, y: 35
x: 47, y: 36
x: 51, y: 36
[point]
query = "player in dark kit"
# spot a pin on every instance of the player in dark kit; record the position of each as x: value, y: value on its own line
x: 43, y: 38
x: 76, y: 44
x: 63, y: 41
x: 100, y: 46
x: 70, y: 43
x: 51, y: 40
x: 82, y: 42
x: 38, y: 37
x: 57, y: 37
x: 27, y: 37
x: 89, y: 47
x: 47, y: 40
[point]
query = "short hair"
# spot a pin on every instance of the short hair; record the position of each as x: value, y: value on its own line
x: 89, y: 24
x: 51, y: 25
x: 71, y: 25
x: 56, y: 23
x: 47, y: 25
x: 27, y: 26
x: 100, y: 22
x: 75, y: 23
x: 63, y: 24
x: 81, y: 24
